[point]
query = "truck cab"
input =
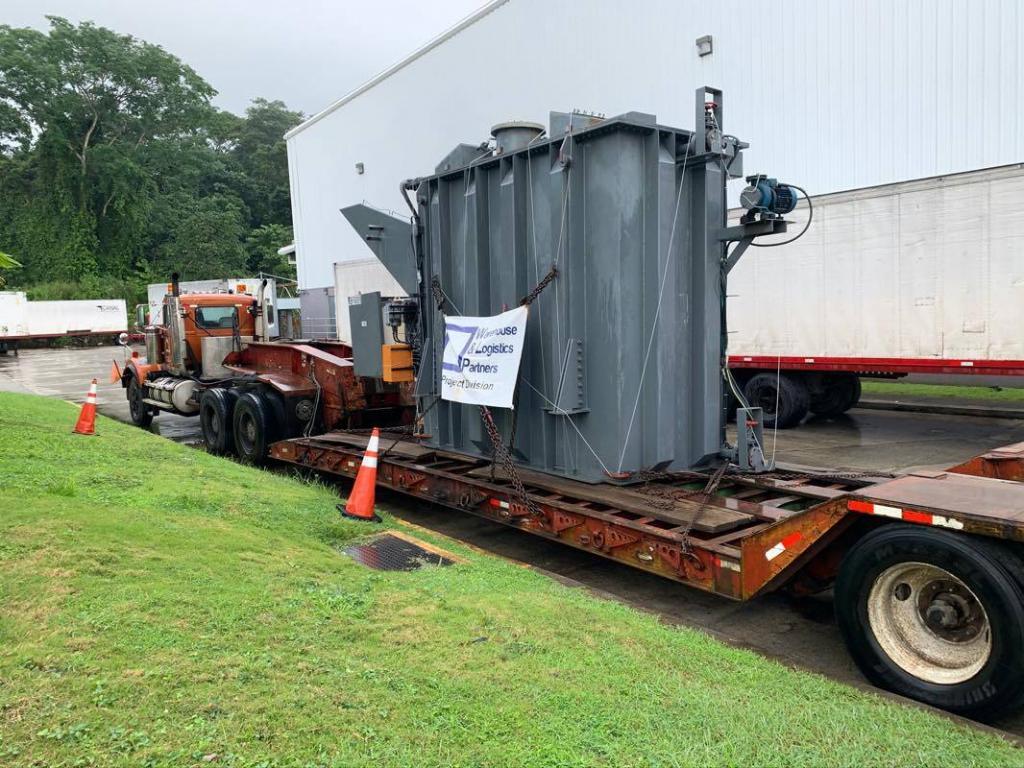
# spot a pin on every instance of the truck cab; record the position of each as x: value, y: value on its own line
x: 186, y: 344
x: 199, y: 330
x: 210, y: 354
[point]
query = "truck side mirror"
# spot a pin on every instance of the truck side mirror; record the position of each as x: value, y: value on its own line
x: 140, y: 315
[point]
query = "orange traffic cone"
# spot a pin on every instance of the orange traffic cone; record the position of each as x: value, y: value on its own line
x: 360, y: 501
x: 86, y: 424
x: 115, y: 372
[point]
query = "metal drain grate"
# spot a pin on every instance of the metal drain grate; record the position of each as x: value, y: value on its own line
x: 389, y: 552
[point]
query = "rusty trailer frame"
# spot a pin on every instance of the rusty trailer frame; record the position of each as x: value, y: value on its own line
x: 755, y: 533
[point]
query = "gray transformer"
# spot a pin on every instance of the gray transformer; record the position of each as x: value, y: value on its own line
x: 622, y: 364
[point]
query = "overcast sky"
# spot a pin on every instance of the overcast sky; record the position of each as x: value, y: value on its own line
x: 307, y: 53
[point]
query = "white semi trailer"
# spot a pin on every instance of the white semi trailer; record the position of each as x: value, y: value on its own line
x: 924, y: 276
x: 24, y: 320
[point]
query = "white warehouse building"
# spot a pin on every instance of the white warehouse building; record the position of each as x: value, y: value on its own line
x: 833, y: 96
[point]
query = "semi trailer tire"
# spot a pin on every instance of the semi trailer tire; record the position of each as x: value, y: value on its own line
x: 216, y: 418
x: 255, y: 428
x: 854, y: 394
x: 789, y: 393
x: 839, y: 393
x: 141, y: 413
x: 935, y: 616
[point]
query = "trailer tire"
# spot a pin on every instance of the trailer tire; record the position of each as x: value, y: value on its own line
x: 216, y: 408
x: 141, y: 414
x: 935, y: 616
x: 839, y: 393
x: 255, y: 428
x: 855, y: 394
x: 765, y: 389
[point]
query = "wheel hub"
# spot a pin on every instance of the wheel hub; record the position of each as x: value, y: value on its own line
x: 950, y: 611
x: 929, y: 623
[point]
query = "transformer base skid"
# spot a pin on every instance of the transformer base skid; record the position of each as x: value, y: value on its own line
x: 749, y: 536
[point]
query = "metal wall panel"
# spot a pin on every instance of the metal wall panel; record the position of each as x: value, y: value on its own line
x: 832, y: 95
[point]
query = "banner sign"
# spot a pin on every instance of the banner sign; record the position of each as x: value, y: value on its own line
x: 481, y: 357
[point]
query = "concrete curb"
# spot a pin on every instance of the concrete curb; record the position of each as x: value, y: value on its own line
x: 947, y: 410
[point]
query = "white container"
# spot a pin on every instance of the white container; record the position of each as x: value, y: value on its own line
x: 23, y: 319
x: 353, y: 278
x: 930, y: 269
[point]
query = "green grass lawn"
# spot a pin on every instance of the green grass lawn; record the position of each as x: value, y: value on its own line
x: 902, y: 389
x: 160, y: 606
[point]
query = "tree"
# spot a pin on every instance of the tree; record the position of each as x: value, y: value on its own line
x: 115, y: 168
x: 262, y: 246
x: 204, y: 239
x: 87, y: 102
x: 259, y: 149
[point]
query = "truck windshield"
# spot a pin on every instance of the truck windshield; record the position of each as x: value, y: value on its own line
x: 215, y: 317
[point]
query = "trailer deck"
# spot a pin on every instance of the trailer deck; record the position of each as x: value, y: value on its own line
x: 744, y: 537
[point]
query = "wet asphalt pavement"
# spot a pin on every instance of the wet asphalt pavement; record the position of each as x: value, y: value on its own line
x: 798, y: 631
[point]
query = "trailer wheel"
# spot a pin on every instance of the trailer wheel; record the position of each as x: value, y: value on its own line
x: 854, y: 394
x: 215, y: 416
x: 142, y: 414
x: 766, y: 390
x: 254, y: 428
x: 839, y: 394
x: 935, y: 616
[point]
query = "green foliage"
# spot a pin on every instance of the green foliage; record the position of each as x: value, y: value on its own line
x: 7, y: 262
x: 261, y: 247
x: 161, y: 606
x: 132, y: 290
x: 954, y: 394
x: 259, y: 149
x: 114, y: 164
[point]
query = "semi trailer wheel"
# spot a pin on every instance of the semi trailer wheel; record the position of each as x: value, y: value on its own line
x: 254, y: 427
x: 784, y: 399
x: 840, y: 392
x: 215, y: 417
x: 141, y: 413
x: 936, y: 616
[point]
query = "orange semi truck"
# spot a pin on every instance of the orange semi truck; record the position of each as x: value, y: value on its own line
x: 210, y: 357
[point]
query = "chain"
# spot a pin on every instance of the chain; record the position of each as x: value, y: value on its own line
x: 528, y: 299
x: 439, y: 298
x: 665, y: 498
x: 706, y: 494
x: 435, y: 289
x: 502, y: 454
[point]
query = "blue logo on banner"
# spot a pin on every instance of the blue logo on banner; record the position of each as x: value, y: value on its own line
x: 470, y: 331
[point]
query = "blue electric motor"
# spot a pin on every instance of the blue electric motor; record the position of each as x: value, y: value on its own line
x: 767, y: 196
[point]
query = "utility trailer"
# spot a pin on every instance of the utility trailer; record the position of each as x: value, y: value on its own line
x: 617, y: 442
